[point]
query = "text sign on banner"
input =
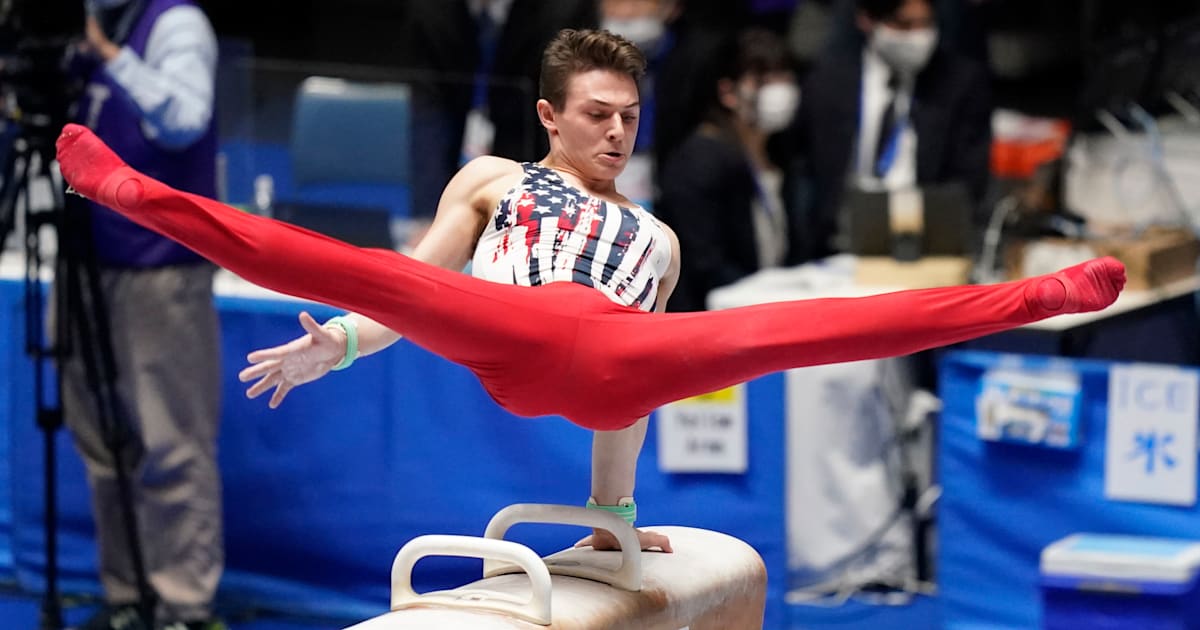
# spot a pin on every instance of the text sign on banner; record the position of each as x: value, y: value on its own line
x: 1150, y: 455
x: 704, y: 433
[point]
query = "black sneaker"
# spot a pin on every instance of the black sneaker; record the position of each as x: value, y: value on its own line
x: 124, y: 617
x: 210, y: 624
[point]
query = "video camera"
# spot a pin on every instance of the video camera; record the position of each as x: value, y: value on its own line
x: 36, y: 36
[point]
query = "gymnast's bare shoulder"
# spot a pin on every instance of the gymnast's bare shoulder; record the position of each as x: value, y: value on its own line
x: 485, y: 180
x: 466, y: 204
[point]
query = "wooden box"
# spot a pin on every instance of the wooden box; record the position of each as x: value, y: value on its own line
x: 1153, y: 258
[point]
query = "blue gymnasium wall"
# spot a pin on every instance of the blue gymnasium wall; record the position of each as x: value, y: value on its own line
x: 1002, y: 503
x: 320, y: 494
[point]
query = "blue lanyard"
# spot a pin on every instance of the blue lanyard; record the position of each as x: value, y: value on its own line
x: 647, y: 118
x: 887, y: 157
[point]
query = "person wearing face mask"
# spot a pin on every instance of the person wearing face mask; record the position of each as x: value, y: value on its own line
x: 149, y: 68
x: 720, y: 188
x: 894, y: 110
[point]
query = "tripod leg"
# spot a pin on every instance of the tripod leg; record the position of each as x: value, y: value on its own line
x: 87, y: 323
x: 48, y: 417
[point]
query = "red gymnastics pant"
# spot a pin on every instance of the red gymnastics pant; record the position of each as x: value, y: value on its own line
x: 562, y: 348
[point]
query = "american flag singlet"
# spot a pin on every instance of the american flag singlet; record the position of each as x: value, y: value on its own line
x: 546, y: 230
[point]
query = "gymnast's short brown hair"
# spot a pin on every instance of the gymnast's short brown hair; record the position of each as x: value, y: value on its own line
x: 574, y: 51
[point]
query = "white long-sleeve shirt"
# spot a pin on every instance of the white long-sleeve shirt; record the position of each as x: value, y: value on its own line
x: 174, y: 83
x: 876, y: 92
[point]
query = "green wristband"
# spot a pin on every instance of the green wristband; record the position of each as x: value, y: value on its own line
x: 351, y: 329
x: 626, y: 508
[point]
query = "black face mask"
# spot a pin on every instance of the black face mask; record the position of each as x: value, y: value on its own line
x: 117, y: 22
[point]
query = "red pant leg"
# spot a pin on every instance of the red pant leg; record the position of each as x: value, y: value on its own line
x: 634, y: 363
x: 566, y: 349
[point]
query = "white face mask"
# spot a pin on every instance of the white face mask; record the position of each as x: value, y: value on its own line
x: 775, y: 106
x: 646, y: 31
x: 906, y: 52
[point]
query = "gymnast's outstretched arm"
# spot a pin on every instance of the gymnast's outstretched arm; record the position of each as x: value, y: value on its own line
x: 461, y: 214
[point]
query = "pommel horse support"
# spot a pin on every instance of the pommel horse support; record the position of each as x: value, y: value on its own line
x: 712, y: 581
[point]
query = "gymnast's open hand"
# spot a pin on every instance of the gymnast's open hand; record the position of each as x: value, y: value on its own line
x: 602, y: 540
x: 302, y: 360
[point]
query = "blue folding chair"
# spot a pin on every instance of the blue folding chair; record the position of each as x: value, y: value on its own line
x: 351, y: 144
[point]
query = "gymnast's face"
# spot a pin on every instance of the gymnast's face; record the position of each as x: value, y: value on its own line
x: 596, y: 127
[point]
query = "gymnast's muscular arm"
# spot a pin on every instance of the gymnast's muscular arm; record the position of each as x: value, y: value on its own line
x: 463, y: 210
x: 615, y: 453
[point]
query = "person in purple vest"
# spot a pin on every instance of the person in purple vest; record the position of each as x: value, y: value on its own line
x: 150, y: 69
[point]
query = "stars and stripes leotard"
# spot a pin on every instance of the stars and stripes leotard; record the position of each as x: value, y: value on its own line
x: 563, y: 348
x: 546, y: 230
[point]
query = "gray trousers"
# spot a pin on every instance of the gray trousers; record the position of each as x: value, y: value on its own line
x: 166, y: 347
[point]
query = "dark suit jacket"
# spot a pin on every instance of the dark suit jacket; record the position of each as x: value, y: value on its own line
x: 440, y: 52
x: 707, y: 188
x: 951, y: 114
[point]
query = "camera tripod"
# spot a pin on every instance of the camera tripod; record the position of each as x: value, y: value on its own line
x: 81, y: 331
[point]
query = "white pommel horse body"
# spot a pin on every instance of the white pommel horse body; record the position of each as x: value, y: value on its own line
x: 712, y: 581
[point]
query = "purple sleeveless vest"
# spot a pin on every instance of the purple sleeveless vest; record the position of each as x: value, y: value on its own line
x: 119, y: 241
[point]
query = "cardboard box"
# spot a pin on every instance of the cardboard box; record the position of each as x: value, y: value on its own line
x: 1156, y: 257
x: 923, y: 273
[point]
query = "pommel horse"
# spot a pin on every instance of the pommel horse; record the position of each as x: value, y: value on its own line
x: 712, y: 581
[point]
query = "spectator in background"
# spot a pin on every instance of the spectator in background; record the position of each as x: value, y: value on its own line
x: 719, y: 188
x: 474, y: 69
x: 150, y: 68
x: 698, y: 34
x: 895, y: 110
